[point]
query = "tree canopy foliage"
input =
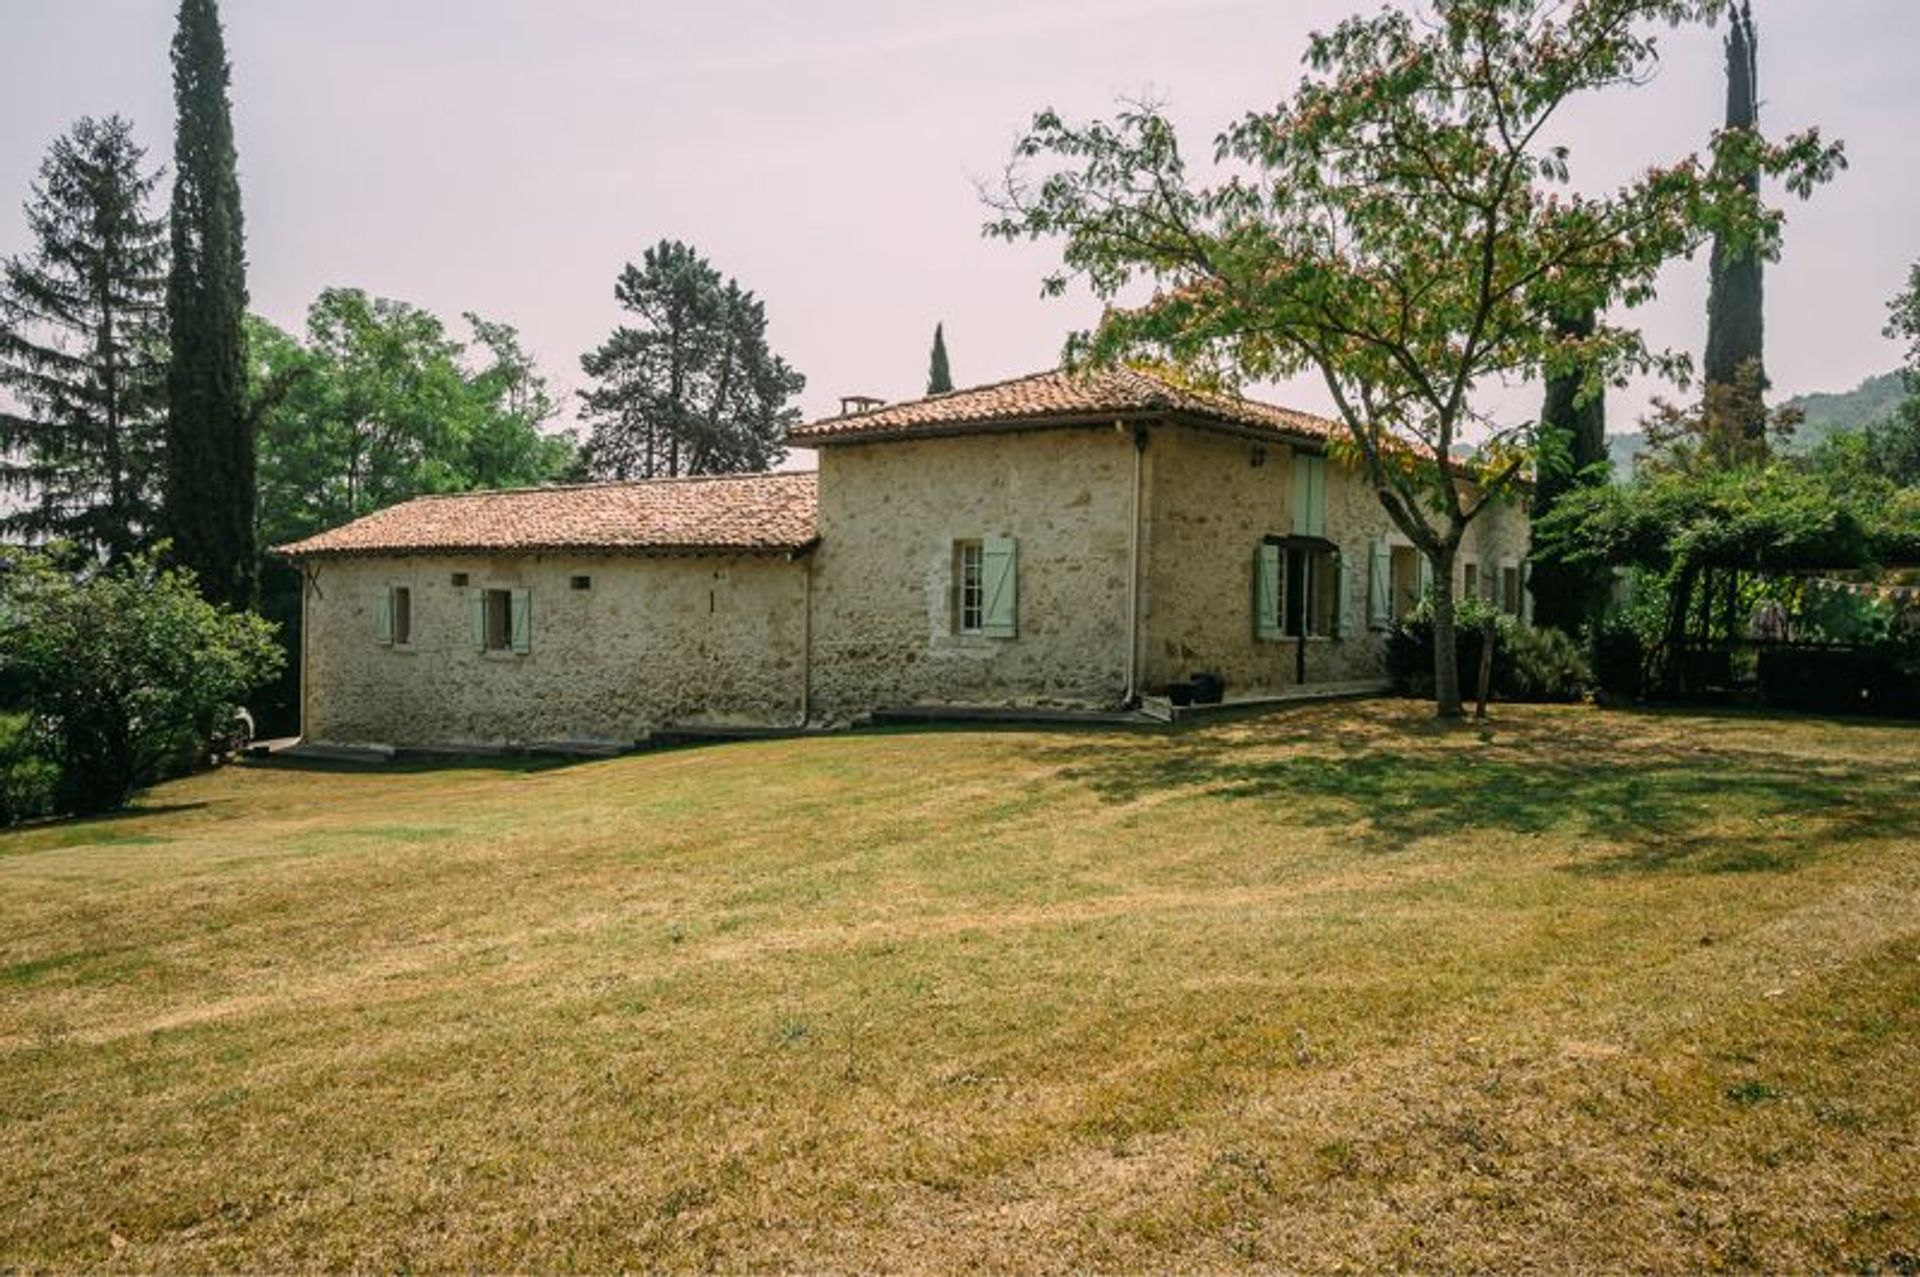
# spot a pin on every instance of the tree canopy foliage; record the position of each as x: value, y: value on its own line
x: 83, y: 349
x: 691, y: 386
x: 379, y: 402
x: 1405, y: 226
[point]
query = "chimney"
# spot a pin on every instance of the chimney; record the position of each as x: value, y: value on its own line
x: 850, y: 404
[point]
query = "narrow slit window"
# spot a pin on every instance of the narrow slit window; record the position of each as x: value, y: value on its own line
x: 402, y: 615
x: 971, y: 613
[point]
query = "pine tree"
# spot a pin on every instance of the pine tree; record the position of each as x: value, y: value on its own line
x: 1735, y: 322
x: 693, y: 387
x: 210, y: 493
x: 939, y: 376
x: 1572, y: 448
x: 83, y: 349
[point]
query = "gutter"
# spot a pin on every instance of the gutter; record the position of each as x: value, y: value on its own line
x: 1133, y: 566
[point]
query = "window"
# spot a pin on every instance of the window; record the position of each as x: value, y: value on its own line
x: 1312, y: 592
x: 1297, y: 591
x: 1510, y: 589
x: 1469, y: 579
x: 986, y: 589
x: 459, y: 580
x: 582, y: 583
x: 393, y: 615
x: 501, y: 620
x: 1408, y: 580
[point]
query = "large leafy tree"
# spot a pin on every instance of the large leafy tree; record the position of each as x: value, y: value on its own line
x: 691, y: 386
x: 83, y: 349
x: 210, y: 488
x: 380, y: 402
x: 1404, y: 226
x: 1736, y: 327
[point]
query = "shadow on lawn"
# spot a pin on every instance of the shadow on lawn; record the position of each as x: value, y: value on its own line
x: 1648, y: 806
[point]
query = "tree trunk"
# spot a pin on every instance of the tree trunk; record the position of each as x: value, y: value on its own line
x: 1486, y: 670
x: 1447, y: 701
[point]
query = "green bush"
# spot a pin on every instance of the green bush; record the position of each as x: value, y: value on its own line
x: 1619, y: 659
x: 126, y: 674
x: 1545, y: 665
x: 29, y: 783
x: 1528, y: 664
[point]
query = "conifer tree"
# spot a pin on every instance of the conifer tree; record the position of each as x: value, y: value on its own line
x: 939, y: 376
x: 1735, y: 321
x: 691, y: 387
x: 210, y: 493
x: 83, y: 349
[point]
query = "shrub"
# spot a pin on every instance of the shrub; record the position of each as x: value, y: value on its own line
x: 1528, y: 664
x: 1544, y: 665
x: 126, y: 673
x: 1619, y: 659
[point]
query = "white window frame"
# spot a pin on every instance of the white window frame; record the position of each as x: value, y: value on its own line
x: 969, y: 587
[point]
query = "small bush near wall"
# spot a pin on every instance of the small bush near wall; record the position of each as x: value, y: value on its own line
x: 1880, y: 679
x: 1619, y: 659
x: 1528, y: 664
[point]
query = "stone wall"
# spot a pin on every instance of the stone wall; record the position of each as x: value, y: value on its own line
x: 884, y: 610
x: 1211, y: 500
x: 654, y: 641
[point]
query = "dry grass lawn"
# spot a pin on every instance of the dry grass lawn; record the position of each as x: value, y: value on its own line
x: 1329, y: 988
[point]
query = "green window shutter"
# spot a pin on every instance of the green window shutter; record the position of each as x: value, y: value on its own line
x: 1266, y: 592
x: 522, y: 622
x: 1000, y: 587
x: 1340, y: 622
x: 1426, y: 574
x: 477, y: 610
x: 1526, y: 591
x: 383, y: 615
x: 1309, y: 495
x: 1379, y: 585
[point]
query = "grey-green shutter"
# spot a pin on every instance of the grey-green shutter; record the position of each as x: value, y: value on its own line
x: 999, y: 587
x: 1426, y: 574
x: 1526, y: 591
x: 1309, y: 495
x: 522, y: 622
x: 1379, y: 585
x: 1339, y: 595
x: 1266, y: 592
x: 383, y: 615
x: 477, y: 611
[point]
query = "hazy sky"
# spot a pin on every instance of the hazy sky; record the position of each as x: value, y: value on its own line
x: 507, y: 156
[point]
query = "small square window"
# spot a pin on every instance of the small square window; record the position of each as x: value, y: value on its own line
x: 459, y: 580
x: 582, y: 583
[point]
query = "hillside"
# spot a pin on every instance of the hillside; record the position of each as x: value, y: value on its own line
x: 1824, y: 413
x: 1322, y: 990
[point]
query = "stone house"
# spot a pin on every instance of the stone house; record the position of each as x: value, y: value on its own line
x: 1072, y: 541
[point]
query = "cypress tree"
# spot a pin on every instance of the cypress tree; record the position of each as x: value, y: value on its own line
x: 83, y: 349
x: 210, y: 447
x: 939, y: 376
x: 1735, y: 325
x: 1573, y: 453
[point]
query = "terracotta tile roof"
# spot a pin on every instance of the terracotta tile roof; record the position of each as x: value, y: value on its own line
x: 1059, y: 397
x: 756, y: 513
